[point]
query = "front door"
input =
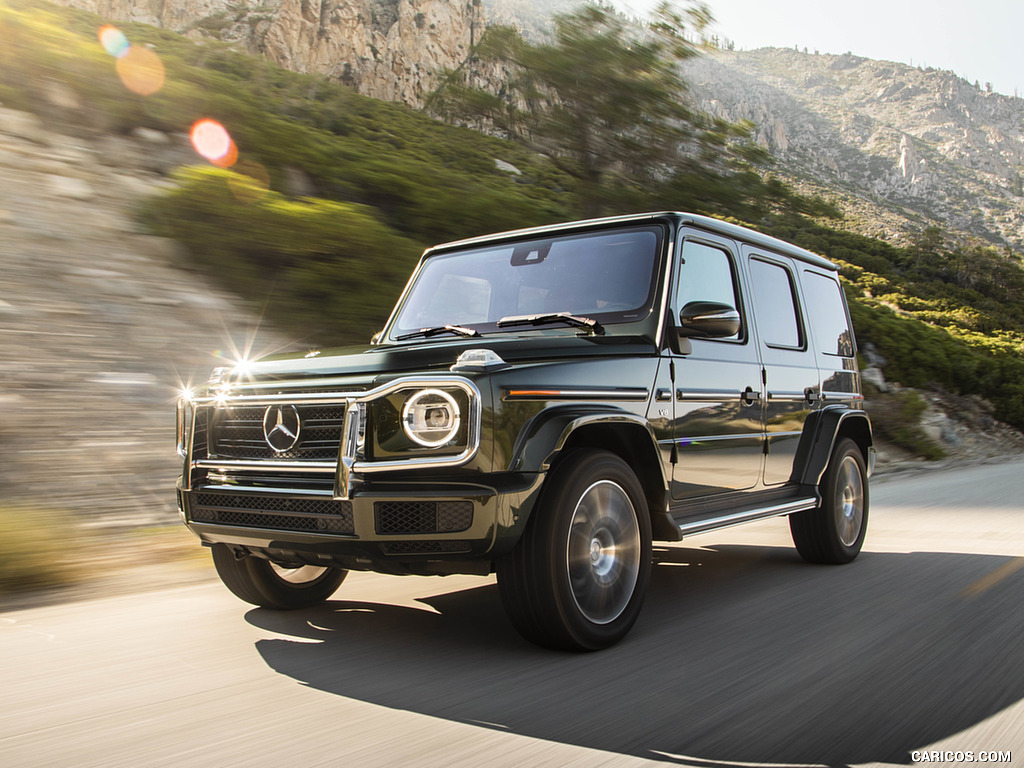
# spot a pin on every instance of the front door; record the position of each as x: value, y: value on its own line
x: 718, y: 422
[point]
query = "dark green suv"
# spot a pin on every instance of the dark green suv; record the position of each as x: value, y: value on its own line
x: 543, y: 404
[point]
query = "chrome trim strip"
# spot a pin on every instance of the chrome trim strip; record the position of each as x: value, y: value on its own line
x: 267, y: 492
x: 180, y: 425
x: 186, y: 473
x: 256, y: 464
x: 835, y: 397
x: 736, y: 518
x: 348, y: 449
x: 568, y: 393
x: 702, y: 396
x: 684, y: 441
x: 787, y: 397
x: 668, y: 265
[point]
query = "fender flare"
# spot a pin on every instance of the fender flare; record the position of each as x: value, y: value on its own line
x: 543, y: 438
x: 821, y: 431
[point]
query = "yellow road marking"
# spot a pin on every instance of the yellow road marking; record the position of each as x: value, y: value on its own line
x: 991, y: 579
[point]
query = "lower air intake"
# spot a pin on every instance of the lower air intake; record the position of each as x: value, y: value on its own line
x: 402, y: 518
x: 273, y: 513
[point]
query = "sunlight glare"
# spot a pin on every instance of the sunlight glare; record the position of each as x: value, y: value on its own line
x: 113, y: 40
x: 141, y: 70
x: 213, y: 142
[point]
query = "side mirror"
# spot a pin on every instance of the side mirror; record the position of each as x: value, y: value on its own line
x: 376, y: 337
x: 708, y: 320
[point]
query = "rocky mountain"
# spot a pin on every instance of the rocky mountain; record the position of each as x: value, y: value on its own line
x: 902, y: 147
x: 100, y: 323
x: 388, y: 49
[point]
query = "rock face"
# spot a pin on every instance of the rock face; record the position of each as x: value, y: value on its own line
x: 388, y: 49
x: 891, y: 139
x: 100, y: 324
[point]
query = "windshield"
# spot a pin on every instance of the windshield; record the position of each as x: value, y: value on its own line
x: 608, y: 276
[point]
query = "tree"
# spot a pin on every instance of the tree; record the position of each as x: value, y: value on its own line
x: 604, y: 99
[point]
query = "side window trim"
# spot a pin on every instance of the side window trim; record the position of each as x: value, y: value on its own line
x: 795, y: 295
x: 731, y: 252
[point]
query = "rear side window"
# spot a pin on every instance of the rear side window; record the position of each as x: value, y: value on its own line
x: 828, y: 315
x: 778, y: 320
x: 706, y: 274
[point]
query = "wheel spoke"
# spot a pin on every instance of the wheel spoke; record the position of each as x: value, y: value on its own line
x: 849, y: 506
x: 303, y: 574
x: 603, y: 552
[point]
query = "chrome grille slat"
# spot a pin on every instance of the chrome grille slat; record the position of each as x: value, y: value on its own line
x: 237, y: 433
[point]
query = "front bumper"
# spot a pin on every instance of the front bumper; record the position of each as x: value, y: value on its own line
x: 376, y: 528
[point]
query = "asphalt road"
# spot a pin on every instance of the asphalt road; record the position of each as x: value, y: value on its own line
x: 743, y: 654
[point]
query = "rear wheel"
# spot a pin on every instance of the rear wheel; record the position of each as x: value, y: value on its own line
x: 577, y: 578
x: 833, y: 532
x: 272, y: 585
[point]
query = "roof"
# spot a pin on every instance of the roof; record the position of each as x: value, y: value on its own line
x: 743, y: 234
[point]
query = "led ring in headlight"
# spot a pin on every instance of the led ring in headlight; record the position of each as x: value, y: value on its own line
x: 431, y: 418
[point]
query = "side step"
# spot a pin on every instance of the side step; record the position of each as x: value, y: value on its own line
x: 728, y: 520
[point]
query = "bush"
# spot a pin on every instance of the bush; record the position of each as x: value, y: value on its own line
x: 34, y: 549
x: 329, y: 270
x: 896, y: 417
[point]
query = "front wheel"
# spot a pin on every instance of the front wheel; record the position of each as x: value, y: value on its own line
x: 833, y: 532
x: 270, y: 585
x: 576, y: 580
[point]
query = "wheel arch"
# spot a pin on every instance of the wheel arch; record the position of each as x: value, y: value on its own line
x: 821, y: 435
x: 631, y: 438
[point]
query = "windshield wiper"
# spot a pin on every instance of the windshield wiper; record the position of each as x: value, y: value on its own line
x: 586, y: 323
x: 428, y: 332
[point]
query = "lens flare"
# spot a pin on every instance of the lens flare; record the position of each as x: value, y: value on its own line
x: 212, y: 140
x: 113, y: 40
x: 141, y: 70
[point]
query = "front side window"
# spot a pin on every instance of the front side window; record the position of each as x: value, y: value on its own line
x: 778, y: 320
x: 706, y: 274
x: 608, y: 276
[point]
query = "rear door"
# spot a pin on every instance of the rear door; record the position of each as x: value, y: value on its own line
x: 791, y: 378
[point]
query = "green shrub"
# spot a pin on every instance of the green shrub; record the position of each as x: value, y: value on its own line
x: 329, y: 270
x: 37, y: 549
x: 896, y: 417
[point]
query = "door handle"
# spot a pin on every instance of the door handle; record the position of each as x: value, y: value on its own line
x: 750, y: 396
x: 812, y: 395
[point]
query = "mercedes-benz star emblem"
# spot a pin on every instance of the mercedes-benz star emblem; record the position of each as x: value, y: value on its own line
x: 281, y: 427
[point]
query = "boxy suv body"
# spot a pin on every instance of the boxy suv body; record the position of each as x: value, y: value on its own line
x: 543, y: 404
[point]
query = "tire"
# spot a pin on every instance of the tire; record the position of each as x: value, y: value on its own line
x: 833, y: 532
x: 577, y: 578
x: 270, y: 585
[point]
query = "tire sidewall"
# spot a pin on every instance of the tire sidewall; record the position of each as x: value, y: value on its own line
x: 845, y: 448
x: 576, y: 474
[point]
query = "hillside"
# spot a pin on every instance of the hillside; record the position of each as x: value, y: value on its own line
x: 900, y: 148
x: 102, y: 320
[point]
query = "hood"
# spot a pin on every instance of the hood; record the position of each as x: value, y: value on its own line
x: 367, y: 363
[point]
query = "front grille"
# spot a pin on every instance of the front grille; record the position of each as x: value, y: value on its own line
x: 314, y: 515
x: 398, y: 518
x: 237, y: 433
x: 425, y: 547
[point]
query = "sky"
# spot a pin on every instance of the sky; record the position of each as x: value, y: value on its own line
x: 979, y: 40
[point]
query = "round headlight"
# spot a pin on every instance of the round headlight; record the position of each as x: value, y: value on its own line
x: 431, y: 418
